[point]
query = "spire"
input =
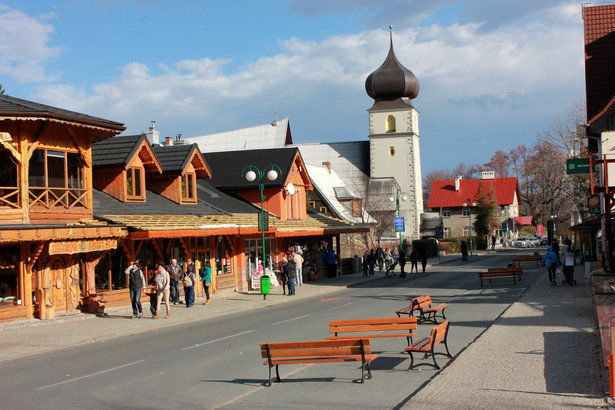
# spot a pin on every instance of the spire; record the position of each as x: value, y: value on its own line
x: 392, y: 80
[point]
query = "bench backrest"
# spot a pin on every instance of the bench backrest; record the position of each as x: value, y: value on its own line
x: 421, y: 302
x: 438, y: 333
x: 373, y: 325
x: 316, y: 348
x: 515, y: 269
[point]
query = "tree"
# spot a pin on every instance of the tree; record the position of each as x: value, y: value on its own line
x: 485, y: 207
x: 499, y: 163
x: 2, y: 91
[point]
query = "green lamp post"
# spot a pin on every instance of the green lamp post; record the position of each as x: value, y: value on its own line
x: 398, y: 196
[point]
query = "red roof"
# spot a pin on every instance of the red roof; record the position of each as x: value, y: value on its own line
x: 443, y: 194
x: 523, y: 220
x: 599, y: 29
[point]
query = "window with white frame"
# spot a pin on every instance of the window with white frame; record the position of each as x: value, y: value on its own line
x: 447, y: 232
x: 446, y: 212
x: 465, y: 212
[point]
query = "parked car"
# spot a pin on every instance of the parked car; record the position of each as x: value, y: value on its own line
x: 521, y: 242
x: 533, y: 241
x: 544, y: 240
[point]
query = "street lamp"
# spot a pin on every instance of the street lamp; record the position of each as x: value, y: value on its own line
x: 469, y: 206
x: 399, y: 195
x: 252, y: 173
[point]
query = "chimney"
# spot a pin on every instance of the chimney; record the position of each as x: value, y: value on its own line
x: 327, y: 165
x: 178, y: 139
x: 458, y: 182
x: 168, y: 141
x: 152, y: 135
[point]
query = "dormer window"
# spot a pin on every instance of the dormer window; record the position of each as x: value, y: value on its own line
x: 135, y: 184
x: 189, y: 187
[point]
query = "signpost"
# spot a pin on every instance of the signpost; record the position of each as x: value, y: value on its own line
x: 399, y: 224
x: 575, y: 166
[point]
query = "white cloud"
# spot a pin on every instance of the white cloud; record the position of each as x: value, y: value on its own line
x: 24, y: 49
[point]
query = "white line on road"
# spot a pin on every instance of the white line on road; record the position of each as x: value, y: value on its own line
x: 290, y: 320
x: 339, y: 306
x: 217, y: 340
x: 90, y: 375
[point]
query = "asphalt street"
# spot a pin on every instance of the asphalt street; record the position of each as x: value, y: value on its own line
x: 215, y: 362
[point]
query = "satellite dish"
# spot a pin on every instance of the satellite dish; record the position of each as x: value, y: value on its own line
x: 290, y: 188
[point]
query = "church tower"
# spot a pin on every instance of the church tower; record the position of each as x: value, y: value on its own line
x: 394, y: 135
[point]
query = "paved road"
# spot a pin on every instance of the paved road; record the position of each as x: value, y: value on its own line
x: 215, y: 362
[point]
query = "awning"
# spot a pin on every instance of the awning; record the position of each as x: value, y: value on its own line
x: 523, y: 220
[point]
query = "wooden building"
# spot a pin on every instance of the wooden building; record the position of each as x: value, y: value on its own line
x: 49, y: 240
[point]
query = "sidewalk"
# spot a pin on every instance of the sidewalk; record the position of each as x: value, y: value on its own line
x: 541, y: 353
x: 27, y: 337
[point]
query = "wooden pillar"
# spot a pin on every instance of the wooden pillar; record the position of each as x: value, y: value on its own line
x: 25, y: 278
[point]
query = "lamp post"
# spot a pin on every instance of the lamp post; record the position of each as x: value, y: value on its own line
x: 252, y: 173
x: 399, y: 195
x: 469, y: 206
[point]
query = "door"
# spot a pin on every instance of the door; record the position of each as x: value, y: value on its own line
x: 58, y: 284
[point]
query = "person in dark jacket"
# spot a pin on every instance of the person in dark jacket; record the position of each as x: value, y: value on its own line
x: 423, y: 257
x: 137, y: 282
x: 414, y: 261
x: 464, y: 251
x: 402, y: 263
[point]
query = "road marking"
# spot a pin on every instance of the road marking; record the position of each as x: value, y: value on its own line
x: 290, y: 320
x: 216, y: 340
x: 329, y: 299
x: 339, y: 306
x: 90, y: 375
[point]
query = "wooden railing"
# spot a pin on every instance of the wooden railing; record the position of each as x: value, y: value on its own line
x: 67, y: 198
x: 9, y: 196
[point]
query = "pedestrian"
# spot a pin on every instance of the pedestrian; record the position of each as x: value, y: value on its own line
x: 175, y: 273
x: 206, y: 279
x: 365, y: 263
x: 153, y: 296
x: 330, y: 261
x: 464, y: 251
x: 380, y: 257
x: 423, y: 257
x: 569, y: 262
x: 388, y: 260
x: 493, y: 239
x: 371, y: 261
x: 551, y: 262
x: 414, y: 260
x: 137, y: 282
x: 555, y: 247
x: 402, y: 263
x: 291, y: 273
x: 503, y: 243
x: 299, y: 269
x: 163, y: 286
x: 189, y: 279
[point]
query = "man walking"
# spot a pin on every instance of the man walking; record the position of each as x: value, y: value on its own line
x: 175, y: 273
x: 189, y: 281
x: 137, y: 282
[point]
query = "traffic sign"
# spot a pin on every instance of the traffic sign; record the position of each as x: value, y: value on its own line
x: 399, y: 224
x: 578, y: 166
x: 468, y: 227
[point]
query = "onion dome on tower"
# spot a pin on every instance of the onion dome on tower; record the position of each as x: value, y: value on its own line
x: 392, y: 80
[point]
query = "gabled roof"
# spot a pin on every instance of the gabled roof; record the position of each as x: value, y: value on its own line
x: 443, y: 194
x: 328, y: 184
x: 119, y: 151
x: 175, y: 158
x: 274, y: 135
x: 17, y: 109
x: 227, y: 167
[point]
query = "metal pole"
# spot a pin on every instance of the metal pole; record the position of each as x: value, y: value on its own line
x: 398, y: 214
x: 262, y: 187
x: 470, y: 214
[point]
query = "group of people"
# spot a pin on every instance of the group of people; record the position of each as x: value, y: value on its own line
x: 553, y: 261
x: 389, y: 258
x: 292, y: 272
x: 166, y: 282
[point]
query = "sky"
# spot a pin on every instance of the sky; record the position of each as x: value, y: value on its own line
x: 493, y: 73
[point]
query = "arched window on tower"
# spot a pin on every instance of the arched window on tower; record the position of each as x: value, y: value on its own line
x: 391, y: 123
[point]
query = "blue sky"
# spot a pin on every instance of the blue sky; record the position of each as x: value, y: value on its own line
x: 493, y: 74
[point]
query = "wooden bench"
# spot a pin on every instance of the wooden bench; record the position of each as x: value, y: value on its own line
x: 527, y: 258
x: 427, y: 345
x: 369, y: 328
x: 318, y: 351
x: 423, y: 306
x: 501, y: 273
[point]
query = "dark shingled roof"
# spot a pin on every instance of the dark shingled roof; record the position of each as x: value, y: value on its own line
x: 210, y: 202
x: 115, y: 151
x: 16, y: 107
x: 174, y: 158
x: 226, y: 167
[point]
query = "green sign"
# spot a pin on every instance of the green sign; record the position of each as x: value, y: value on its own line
x: 579, y: 166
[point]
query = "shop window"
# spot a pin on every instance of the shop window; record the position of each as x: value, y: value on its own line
x: 9, y: 276
x: 189, y: 187
x: 223, y: 257
x: 254, y: 254
x: 55, y: 179
x: 135, y: 184
x: 9, y: 186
